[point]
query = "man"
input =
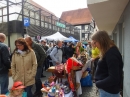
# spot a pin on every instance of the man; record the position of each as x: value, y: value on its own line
x: 56, y: 54
x: 46, y: 62
x: 40, y: 55
x: 43, y: 43
x: 4, y: 65
x: 65, y: 50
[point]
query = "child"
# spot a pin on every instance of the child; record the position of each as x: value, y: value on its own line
x: 17, y: 90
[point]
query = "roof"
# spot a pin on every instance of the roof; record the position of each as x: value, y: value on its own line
x: 77, y: 17
x: 39, y: 6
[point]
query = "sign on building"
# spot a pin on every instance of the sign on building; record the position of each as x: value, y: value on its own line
x: 60, y: 25
x: 26, y: 22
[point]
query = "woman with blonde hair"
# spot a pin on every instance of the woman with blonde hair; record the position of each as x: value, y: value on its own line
x: 24, y: 65
x: 109, y: 70
x: 78, y: 49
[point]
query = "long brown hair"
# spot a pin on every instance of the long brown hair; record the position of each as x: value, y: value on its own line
x: 104, y: 40
x: 24, y: 43
x: 78, y: 44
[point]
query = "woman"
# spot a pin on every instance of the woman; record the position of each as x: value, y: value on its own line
x: 78, y: 49
x: 24, y: 65
x: 109, y: 70
x: 70, y: 51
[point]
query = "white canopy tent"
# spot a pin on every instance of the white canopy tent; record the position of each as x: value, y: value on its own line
x: 55, y: 37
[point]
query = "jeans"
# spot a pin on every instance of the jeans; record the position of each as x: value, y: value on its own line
x: 45, y: 65
x: 4, y: 82
x: 38, y: 81
x: 29, y: 91
x: 106, y: 94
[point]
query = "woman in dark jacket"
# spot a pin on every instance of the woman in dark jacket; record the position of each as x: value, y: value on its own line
x: 70, y: 51
x: 109, y: 70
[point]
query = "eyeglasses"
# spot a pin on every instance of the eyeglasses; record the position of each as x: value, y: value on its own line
x: 18, y: 45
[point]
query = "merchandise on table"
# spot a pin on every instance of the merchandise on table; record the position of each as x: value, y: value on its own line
x: 56, y: 90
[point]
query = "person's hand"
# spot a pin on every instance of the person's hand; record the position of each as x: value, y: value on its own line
x: 57, y: 63
x: 92, y: 59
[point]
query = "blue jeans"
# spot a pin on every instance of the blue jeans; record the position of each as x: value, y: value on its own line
x: 38, y: 81
x: 29, y: 91
x: 4, y: 82
x: 106, y: 94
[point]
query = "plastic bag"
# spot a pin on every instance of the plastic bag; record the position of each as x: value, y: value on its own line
x: 87, y: 81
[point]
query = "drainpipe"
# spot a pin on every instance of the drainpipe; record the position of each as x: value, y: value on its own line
x: 22, y: 18
x: 8, y: 23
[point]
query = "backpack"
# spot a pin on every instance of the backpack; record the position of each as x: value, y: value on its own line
x: 51, y: 51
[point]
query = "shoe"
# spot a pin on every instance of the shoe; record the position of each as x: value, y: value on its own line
x: 43, y: 76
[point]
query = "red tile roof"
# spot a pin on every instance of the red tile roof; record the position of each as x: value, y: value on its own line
x: 77, y: 17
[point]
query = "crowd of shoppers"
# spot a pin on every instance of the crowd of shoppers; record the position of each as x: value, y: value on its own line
x: 29, y: 59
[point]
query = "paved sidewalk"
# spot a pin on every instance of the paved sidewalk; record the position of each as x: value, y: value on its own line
x: 89, y: 91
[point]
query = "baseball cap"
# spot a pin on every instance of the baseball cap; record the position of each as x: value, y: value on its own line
x: 18, y: 85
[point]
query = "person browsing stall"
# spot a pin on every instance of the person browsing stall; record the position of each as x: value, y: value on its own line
x: 56, y: 53
x: 109, y: 69
x: 24, y: 65
x: 4, y: 64
x: 40, y: 55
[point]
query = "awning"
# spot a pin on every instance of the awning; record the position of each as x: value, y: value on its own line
x: 107, y: 13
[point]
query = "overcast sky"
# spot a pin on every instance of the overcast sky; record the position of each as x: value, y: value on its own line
x: 58, y: 6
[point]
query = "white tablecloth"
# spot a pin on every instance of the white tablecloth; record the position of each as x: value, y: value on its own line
x: 69, y: 94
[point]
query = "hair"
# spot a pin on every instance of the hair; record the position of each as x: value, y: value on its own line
x: 104, y: 40
x: 43, y: 40
x: 12, y: 92
x: 2, y: 36
x: 71, y: 44
x: 57, y: 42
x: 78, y: 44
x: 24, y: 43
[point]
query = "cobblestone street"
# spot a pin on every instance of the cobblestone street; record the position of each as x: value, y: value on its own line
x: 89, y: 91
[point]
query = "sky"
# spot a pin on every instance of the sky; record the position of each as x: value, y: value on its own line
x: 58, y: 6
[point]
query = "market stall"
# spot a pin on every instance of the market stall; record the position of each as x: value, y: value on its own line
x: 55, y: 37
x: 74, y: 70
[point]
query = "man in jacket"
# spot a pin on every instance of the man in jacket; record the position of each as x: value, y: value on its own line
x: 46, y: 62
x: 40, y: 55
x: 4, y: 65
x: 56, y: 54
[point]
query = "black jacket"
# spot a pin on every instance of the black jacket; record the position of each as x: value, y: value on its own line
x: 40, y: 53
x: 109, y: 71
x: 4, y: 58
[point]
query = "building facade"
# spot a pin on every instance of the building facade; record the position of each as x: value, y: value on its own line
x: 82, y: 19
x: 41, y: 21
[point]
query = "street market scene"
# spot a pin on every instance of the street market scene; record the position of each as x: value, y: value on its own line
x: 64, y: 48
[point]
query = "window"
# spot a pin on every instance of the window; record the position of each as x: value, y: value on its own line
x: 46, y: 25
x: 83, y: 27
